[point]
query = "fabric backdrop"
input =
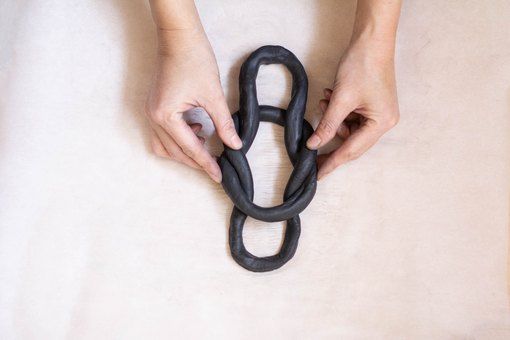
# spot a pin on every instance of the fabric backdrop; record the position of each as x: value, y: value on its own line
x: 99, y: 239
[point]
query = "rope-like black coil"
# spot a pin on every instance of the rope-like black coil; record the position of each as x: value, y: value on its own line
x: 237, y: 177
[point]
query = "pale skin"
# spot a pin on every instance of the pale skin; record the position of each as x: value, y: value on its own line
x: 360, y: 106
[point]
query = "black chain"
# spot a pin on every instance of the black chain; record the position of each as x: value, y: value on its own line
x: 237, y: 177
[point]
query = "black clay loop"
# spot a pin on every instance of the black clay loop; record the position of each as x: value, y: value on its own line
x: 237, y: 177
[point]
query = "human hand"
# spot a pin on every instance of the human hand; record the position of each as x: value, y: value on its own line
x: 187, y: 77
x: 361, y: 106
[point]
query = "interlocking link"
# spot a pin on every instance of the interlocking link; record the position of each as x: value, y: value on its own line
x: 237, y: 177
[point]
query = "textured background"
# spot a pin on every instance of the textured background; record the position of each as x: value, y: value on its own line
x: 99, y: 239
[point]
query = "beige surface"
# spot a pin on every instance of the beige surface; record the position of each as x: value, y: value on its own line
x: 101, y: 240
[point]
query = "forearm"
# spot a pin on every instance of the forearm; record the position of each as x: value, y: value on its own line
x: 178, y: 24
x: 175, y: 15
x: 376, y: 22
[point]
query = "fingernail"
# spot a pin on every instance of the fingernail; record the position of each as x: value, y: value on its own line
x: 313, y: 142
x: 236, y: 141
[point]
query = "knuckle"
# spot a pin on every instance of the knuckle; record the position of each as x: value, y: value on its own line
x: 157, y: 116
x: 326, y: 127
x: 162, y: 117
x: 189, y: 151
x: 228, y: 127
x: 171, y: 118
x: 347, y: 98
x: 210, y: 102
x: 335, y: 161
x: 393, y: 120
x: 352, y: 154
x: 389, y: 122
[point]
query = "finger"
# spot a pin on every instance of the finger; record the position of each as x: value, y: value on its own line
x: 323, y: 105
x: 359, y: 142
x: 157, y: 146
x: 338, y: 108
x: 190, y: 152
x: 183, y: 135
x: 195, y: 127
x: 327, y: 93
x: 173, y: 149
x: 222, y: 120
x: 321, y: 159
x: 343, y: 130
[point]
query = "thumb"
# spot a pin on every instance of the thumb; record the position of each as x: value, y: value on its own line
x: 222, y: 120
x: 338, y: 108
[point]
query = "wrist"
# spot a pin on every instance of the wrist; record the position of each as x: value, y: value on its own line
x: 175, y: 15
x: 376, y: 44
x: 180, y: 40
x: 375, y: 27
x: 178, y: 25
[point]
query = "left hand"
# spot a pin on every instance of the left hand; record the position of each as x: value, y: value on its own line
x: 360, y: 108
x: 187, y: 77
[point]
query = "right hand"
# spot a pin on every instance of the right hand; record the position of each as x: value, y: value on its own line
x: 187, y: 77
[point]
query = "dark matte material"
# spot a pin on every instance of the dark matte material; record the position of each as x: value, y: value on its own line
x: 237, y: 177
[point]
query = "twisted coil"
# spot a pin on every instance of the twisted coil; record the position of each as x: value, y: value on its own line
x: 237, y: 177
